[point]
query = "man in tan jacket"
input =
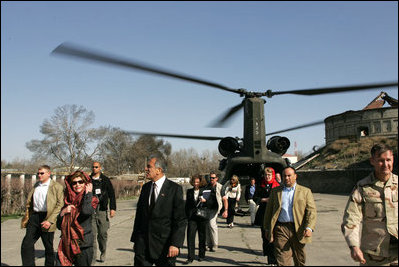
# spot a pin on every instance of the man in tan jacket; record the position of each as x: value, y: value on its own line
x: 290, y: 219
x: 43, y: 205
x: 373, y: 205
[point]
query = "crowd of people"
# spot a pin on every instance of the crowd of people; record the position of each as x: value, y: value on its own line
x: 284, y: 210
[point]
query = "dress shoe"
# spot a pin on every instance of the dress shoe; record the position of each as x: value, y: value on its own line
x: 188, y: 261
x: 102, y: 257
x: 201, y: 259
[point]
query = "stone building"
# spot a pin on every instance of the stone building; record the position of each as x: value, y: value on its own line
x: 372, y: 120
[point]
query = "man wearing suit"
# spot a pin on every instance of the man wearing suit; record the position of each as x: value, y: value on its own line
x: 290, y: 219
x: 160, y: 221
x: 43, y: 204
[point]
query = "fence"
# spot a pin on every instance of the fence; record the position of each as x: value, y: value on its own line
x: 15, y: 190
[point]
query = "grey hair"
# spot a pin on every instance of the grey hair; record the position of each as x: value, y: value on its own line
x: 160, y: 163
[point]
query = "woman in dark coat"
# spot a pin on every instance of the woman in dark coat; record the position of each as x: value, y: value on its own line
x: 74, y: 221
x: 261, y: 197
x: 195, y: 197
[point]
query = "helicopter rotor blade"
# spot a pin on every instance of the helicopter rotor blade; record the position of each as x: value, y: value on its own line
x: 199, y: 137
x: 78, y: 52
x: 297, y: 127
x: 221, y: 121
x: 330, y: 90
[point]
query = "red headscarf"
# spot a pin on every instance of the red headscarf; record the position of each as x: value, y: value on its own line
x: 273, y: 181
x: 71, y: 230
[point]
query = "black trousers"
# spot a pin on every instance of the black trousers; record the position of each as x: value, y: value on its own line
x: 83, y: 259
x: 195, y: 225
x: 142, y: 255
x: 33, y: 232
x: 231, y: 210
x: 268, y: 248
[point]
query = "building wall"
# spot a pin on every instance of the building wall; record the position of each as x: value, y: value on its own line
x: 331, y: 181
x: 373, y: 122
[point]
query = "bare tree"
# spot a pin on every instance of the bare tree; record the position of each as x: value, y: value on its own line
x: 120, y: 153
x: 146, y: 146
x: 68, y: 140
x: 115, y: 151
x: 186, y: 162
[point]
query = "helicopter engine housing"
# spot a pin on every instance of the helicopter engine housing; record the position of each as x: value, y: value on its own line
x: 227, y: 146
x: 278, y: 144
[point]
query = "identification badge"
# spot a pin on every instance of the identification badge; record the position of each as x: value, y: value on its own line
x: 98, y: 191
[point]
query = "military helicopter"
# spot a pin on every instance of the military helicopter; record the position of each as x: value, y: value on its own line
x: 247, y: 156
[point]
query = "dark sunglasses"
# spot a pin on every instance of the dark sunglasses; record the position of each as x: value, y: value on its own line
x: 95, y: 167
x: 40, y: 173
x: 78, y: 182
x: 213, y: 177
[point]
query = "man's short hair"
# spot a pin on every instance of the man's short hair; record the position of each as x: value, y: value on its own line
x: 289, y: 167
x: 160, y: 163
x: 47, y: 167
x: 378, y: 149
x: 212, y: 172
x: 99, y: 164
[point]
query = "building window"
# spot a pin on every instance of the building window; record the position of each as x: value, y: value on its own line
x: 386, y: 126
x: 363, y: 131
x: 377, y: 127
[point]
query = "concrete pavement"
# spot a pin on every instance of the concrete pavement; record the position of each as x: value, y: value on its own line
x: 241, y: 245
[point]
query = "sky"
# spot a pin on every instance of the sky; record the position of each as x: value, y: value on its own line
x: 253, y: 45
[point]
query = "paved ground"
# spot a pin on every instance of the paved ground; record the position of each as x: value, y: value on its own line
x: 238, y: 246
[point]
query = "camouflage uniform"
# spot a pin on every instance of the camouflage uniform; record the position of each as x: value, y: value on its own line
x: 374, y: 206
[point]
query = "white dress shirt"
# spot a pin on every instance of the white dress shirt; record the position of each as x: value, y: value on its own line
x: 40, y: 197
x: 196, y: 194
x: 159, y: 184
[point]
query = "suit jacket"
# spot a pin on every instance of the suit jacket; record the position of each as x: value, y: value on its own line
x: 165, y: 226
x: 55, y: 201
x: 304, y: 211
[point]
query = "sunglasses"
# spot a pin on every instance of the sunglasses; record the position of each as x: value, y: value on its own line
x: 95, y: 167
x: 78, y: 182
x: 40, y: 173
x: 213, y: 177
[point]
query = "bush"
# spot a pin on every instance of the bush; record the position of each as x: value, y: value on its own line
x: 125, y: 188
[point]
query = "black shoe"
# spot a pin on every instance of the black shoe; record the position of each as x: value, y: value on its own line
x: 201, y: 259
x: 211, y: 249
x: 188, y: 261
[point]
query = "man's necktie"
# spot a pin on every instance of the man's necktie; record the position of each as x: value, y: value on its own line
x: 152, y: 203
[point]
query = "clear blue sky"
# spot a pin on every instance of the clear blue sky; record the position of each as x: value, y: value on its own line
x: 252, y: 45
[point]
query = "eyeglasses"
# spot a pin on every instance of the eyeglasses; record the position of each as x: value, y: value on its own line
x: 95, y: 167
x: 213, y: 177
x: 40, y: 173
x: 78, y: 182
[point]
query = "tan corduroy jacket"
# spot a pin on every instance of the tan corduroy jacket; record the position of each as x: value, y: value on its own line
x: 55, y: 201
x: 304, y: 211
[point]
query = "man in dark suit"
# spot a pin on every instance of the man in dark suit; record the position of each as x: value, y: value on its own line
x: 160, y: 221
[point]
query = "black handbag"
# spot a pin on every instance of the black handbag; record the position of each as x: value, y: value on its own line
x: 202, y: 212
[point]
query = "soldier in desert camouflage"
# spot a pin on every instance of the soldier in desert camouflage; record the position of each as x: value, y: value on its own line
x: 373, y: 209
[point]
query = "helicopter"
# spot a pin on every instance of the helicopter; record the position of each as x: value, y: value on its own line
x: 246, y: 156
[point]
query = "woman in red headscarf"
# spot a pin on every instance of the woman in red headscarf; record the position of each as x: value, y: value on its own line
x: 74, y: 221
x: 261, y: 197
